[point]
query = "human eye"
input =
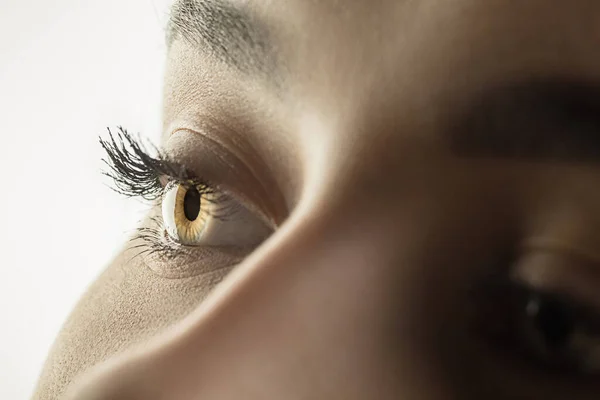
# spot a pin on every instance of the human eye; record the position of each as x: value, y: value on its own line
x: 192, y: 218
x: 545, y: 314
x: 561, y: 331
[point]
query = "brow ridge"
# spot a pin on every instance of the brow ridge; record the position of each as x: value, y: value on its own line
x: 231, y: 34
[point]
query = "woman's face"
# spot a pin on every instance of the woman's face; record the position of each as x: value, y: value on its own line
x: 358, y: 200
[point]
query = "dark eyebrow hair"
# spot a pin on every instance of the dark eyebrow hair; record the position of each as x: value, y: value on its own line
x: 229, y: 33
x: 545, y: 120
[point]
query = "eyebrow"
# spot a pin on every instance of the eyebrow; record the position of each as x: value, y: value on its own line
x: 231, y: 34
x: 549, y: 121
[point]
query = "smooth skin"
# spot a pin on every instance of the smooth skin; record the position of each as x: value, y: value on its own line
x: 384, y: 235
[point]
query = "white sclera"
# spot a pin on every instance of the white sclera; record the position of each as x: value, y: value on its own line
x: 169, y: 203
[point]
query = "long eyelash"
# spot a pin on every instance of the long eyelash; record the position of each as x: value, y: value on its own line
x: 134, y: 171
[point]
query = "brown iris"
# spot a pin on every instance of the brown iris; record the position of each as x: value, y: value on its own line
x: 185, y: 213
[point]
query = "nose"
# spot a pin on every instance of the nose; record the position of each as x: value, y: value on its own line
x: 312, y: 314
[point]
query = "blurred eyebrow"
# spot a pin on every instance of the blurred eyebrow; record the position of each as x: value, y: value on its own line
x: 229, y: 33
x: 556, y: 121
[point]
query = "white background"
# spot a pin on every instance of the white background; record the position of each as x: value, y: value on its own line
x: 68, y: 70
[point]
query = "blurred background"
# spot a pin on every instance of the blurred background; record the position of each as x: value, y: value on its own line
x: 68, y: 70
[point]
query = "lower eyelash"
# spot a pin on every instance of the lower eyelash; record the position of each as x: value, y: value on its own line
x: 153, y: 240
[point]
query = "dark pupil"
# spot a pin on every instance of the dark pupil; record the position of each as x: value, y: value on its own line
x: 554, y: 320
x: 191, y: 204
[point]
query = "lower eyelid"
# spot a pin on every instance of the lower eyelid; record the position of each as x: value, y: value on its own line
x: 171, y: 260
x: 194, y: 261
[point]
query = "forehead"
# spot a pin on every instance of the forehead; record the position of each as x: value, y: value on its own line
x: 360, y: 57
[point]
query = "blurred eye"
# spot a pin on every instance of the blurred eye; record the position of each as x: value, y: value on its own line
x: 561, y: 332
x: 200, y: 216
x: 543, y: 314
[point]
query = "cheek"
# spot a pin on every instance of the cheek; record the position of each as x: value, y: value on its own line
x: 126, y: 305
